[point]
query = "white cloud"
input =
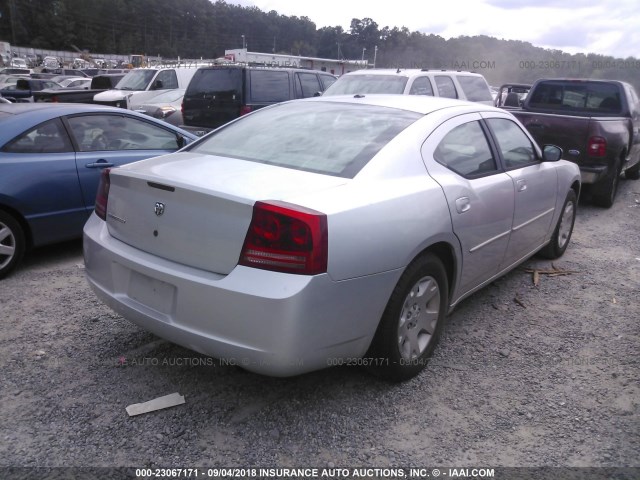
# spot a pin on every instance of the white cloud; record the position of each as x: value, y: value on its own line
x: 608, y: 27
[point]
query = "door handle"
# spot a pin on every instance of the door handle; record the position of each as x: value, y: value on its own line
x: 99, y: 164
x: 521, y: 185
x: 463, y: 204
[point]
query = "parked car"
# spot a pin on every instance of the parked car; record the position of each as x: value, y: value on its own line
x: 51, y: 62
x: 438, y: 83
x: 18, y: 62
x: 165, y: 106
x: 51, y: 156
x: 596, y: 122
x: 217, y: 95
x: 321, y: 231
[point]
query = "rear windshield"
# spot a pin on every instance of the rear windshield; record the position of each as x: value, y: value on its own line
x: 475, y: 88
x: 224, y: 82
x: 352, y: 84
x: 592, y: 97
x: 323, y: 137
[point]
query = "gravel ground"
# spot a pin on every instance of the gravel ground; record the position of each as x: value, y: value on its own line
x: 525, y: 375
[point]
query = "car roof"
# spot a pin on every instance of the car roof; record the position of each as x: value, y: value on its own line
x: 39, y: 112
x: 409, y: 72
x: 422, y: 104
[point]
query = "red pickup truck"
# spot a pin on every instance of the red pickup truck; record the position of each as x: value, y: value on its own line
x: 595, y: 122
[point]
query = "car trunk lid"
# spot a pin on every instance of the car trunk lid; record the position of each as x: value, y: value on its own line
x: 196, y: 209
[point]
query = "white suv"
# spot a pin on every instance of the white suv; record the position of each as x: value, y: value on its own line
x: 438, y: 83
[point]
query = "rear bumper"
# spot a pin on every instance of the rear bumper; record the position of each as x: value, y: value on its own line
x: 593, y: 174
x: 267, y: 322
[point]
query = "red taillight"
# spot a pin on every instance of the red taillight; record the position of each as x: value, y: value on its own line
x: 244, y: 109
x: 286, y: 238
x: 102, y: 197
x: 597, y: 147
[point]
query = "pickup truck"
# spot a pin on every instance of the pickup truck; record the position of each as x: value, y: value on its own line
x: 595, y: 122
x: 99, y: 83
x: 25, y: 88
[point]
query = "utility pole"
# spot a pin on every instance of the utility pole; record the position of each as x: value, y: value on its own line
x: 375, y: 55
x: 244, y: 44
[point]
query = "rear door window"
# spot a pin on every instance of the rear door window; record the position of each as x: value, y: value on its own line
x: 465, y: 150
x: 474, y: 88
x: 421, y: 86
x: 48, y: 137
x: 445, y: 86
x: 269, y: 86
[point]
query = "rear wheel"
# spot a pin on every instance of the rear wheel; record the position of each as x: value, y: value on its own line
x: 12, y: 243
x: 412, y: 321
x: 604, y: 192
x: 562, y: 234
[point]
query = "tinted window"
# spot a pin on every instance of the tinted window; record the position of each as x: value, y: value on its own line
x: 117, y: 132
x: 48, y: 137
x: 323, y: 137
x: 474, y: 88
x: 515, y: 147
x: 598, y: 97
x: 269, y: 87
x: 421, y: 86
x: 351, y: 84
x: 445, y: 86
x: 465, y: 150
x: 225, y: 82
x: 307, y: 84
x: 168, y: 79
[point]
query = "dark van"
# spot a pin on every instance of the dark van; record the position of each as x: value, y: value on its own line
x: 217, y: 95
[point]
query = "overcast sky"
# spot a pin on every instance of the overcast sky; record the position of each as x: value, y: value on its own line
x: 607, y: 27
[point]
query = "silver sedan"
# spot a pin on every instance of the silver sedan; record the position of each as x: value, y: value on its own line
x: 327, y: 231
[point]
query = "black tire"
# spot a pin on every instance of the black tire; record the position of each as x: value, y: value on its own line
x: 562, y: 233
x: 633, y: 173
x: 604, y: 192
x: 412, y: 321
x: 12, y: 243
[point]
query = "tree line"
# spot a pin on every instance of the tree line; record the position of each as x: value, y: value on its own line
x: 200, y: 28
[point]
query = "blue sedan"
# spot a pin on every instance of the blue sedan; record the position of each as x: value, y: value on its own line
x: 51, y: 156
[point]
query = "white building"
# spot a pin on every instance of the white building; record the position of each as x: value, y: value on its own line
x: 336, y: 67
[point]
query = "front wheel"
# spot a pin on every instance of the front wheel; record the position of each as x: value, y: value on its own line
x: 562, y: 234
x: 412, y: 321
x: 12, y: 243
x: 633, y: 173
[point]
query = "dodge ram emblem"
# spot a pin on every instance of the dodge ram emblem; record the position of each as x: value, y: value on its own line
x: 159, y: 208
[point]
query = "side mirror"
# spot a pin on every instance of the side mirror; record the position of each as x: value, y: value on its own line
x: 317, y: 94
x: 157, y: 85
x: 181, y: 141
x: 551, y: 153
